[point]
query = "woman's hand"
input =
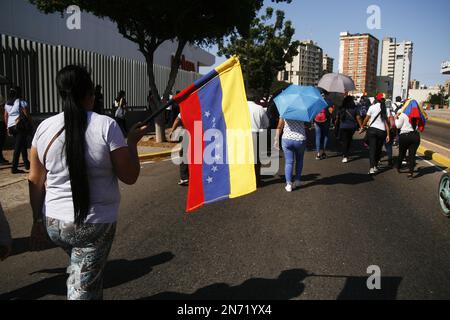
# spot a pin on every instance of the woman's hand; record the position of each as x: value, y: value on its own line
x: 388, y: 139
x: 276, y: 143
x: 136, y: 133
x: 39, y: 238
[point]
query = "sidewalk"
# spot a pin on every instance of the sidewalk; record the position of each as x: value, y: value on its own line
x: 435, y: 152
x: 442, y: 114
x: 147, y: 149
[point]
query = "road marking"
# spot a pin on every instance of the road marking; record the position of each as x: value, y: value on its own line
x: 432, y: 164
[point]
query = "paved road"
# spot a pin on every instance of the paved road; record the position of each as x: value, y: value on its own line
x: 438, y: 133
x: 266, y: 245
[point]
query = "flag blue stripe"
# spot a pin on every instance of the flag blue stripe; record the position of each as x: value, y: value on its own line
x: 216, y: 172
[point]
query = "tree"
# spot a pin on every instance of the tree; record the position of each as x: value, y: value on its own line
x: 438, y: 98
x: 264, y: 52
x: 150, y: 23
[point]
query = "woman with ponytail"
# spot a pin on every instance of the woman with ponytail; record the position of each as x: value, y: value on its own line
x: 77, y: 158
x: 377, y: 131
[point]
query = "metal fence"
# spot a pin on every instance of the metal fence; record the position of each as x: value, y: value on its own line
x: 33, y: 66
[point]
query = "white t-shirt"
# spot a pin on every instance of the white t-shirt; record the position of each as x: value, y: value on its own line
x: 373, y: 113
x: 258, y: 117
x: 403, y: 124
x: 103, y: 135
x: 14, y: 111
x: 294, y: 130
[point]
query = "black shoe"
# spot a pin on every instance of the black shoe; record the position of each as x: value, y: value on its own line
x: 27, y: 166
x: 4, y: 162
x: 16, y: 171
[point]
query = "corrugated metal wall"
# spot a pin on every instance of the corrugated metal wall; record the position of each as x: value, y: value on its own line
x: 33, y: 66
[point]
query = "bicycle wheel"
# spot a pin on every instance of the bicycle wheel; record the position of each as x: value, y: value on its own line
x: 444, y: 194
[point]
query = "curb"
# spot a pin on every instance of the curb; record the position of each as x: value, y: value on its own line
x: 439, y: 120
x: 436, y: 157
x: 156, y: 155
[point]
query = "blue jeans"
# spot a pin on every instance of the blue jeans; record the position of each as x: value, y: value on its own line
x: 293, y: 151
x: 322, y: 133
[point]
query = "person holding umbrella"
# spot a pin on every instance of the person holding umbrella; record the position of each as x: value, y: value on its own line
x: 296, y: 106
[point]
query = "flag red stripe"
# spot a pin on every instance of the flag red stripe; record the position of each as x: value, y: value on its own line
x: 191, y: 113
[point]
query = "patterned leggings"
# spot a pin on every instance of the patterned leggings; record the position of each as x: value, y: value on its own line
x: 88, y: 247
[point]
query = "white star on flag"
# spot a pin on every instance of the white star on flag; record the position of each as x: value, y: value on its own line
x: 215, y: 169
x: 207, y: 114
x: 209, y: 180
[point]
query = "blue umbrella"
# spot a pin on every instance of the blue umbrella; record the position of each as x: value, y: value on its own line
x: 300, y: 103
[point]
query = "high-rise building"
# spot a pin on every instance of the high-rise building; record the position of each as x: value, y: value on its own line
x: 306, y: 68
x: 328, y: 64
x: 387, y: 66
x: 396, y: 63
x: 445, y: 68
x: 414, y: 85
x: 402, y: 72
x: 358, y: 59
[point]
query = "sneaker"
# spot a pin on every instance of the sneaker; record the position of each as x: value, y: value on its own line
x: 16, y: 171
x: 324, y: 156
x: 183, y: 182
x: 345, y: 160
x: 376, y: 169
x: 27, y: 166
x: 289, y: 187
x: 318, y: 157
x: 297, y: 184
x: 4, y: 162
x: 372, y: 171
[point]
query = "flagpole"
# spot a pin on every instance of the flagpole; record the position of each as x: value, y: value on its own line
x: 158, y: 112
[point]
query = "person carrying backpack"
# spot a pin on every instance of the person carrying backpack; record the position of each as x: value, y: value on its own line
x: 322, y: 128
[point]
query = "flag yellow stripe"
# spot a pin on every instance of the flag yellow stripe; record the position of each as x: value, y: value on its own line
x: 239, y: 134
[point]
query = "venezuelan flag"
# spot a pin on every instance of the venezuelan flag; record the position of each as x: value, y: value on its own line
x: 215, y: 112
x: 414, y: 111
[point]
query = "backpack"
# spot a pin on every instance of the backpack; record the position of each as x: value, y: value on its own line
x: 321, y: 117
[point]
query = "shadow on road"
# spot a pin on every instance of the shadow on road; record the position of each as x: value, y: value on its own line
x: 347, y: 178
x: 22, y: 245
x: 117, y: 272
x: 287, y: 286
x: 356, y: 289
x: 423, y: 171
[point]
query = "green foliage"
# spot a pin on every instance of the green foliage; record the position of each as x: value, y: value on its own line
x: 264, y: 51
x: 438, y: 99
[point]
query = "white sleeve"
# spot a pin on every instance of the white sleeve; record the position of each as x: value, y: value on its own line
x: 114, y: 137
x: 370, y: 112
x: 399, y: 122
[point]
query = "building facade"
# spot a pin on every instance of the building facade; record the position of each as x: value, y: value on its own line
x: 306, y: 68
x: 403, y: 66
x: 328, y: 64
x: 396, y: 63
x: 358, y: 59
x: 414, y: 84
x: 34, y: 47
x: 445, y: 67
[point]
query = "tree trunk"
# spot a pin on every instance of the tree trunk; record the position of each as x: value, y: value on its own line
x: 160, y: 125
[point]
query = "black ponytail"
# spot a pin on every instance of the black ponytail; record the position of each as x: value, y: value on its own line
x: 74, y: 86
x: 383, y: 110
